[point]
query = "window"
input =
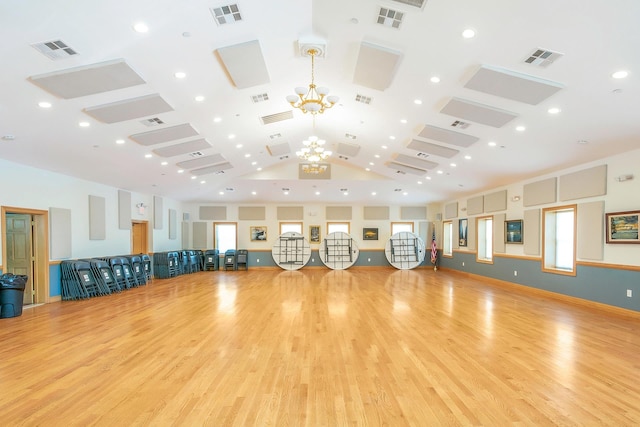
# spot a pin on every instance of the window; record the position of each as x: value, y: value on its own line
x: 485, y: 239
x: 333, y: 227
x: 447, y: 245
x: 286, y: 227
x: 225, y: 236
x: 559, y: 240
x: 397, y: 227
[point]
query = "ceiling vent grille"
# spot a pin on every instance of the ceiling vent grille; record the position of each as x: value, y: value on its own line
x: 350, y: 136
x: 260, y: 98
x: 275, y: 136
x: 415, y: 3
x: 389, y: 17
x: 543, y: 57
x: 422, y: 155
x: 152, y: 122
x: 278, y: 117
x: 460, y: 124
x: 196, y: 154
x: 226, y: 14
x: 363, y: 99
x: 54, y: 50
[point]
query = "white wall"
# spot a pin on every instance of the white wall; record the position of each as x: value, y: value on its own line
x: 620, y: 197
x: 31, y: 188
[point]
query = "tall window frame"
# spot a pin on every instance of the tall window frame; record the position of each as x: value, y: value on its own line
x: 397, y: 227
x: 447, y: 238
x: 225, y: 236
x: 484, y: 240
x: 289, y: 226
x: 334, y: 227
x: 559, y: 230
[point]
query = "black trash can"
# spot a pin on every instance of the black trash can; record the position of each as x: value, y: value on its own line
x: 11, y: 294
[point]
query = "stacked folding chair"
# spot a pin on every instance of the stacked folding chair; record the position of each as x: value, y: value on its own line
x: 146, y: 263
x: 104, y: 275
x: 211, y: 259
x: 242, y: 259
x: 72, y: 288
x: 194, y: 262
x: 230, y: 259
x: 137, y: 268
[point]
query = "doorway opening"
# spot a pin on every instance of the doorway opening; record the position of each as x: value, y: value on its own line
x: 139, y: 237
x: 25, y: 250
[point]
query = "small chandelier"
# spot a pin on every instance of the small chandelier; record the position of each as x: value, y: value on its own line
x: 313, y: 150
x: 313, y: 100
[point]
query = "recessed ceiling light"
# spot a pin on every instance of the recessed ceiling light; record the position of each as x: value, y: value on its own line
x: 429, y: 178
x: 440, y: 172
x: 286, y: 193
x: 377, y: 156
x: 221, y: 193
x: 405, y: 193
x: 199, y: 98
x: 419, y: 182
x: 317, y: 193
x: 384, y: 147
x: 371, y: 164
x: 469, y: 33
x: 620, y: 74
x: 247, y: 155
x: 435, y: 79
x: 231, y: 136
x: 180, y: 75
x: 453, y: 165
x: 492, y: 144
x: 217, y: 119
x: 367, y: 169
x: 392, y: 137
x: 417, y: 101
x: 44, y: 104
x: 521, y: 128
x: 203, y: 182
x: 373, y: 193
x: 403, y: 121
x: 119, y: 141
x: 238, y: 145
x: 194, y: 177
x: 180, y: 170
x: 254, y: 163
x: 467, y: 157
x: 140, y: 27
x: 553, y: 110
x: 253, y: 193
x: 259, y: 169
x: 346, y: 193
x: 84, y: 124
x: 164, y: 163
x: 148, y: 156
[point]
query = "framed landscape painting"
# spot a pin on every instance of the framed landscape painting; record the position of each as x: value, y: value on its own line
x: 513, y: 231
x: 622, y: 227
x: 258, y: 233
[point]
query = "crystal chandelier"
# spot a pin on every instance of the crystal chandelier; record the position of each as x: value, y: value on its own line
x: 313, y: 150
x: 313, y: 100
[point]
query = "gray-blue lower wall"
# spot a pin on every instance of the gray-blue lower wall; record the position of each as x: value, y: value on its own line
x: 604, y: 285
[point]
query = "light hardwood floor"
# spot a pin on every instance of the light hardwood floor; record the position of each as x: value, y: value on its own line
x: 316, y: 347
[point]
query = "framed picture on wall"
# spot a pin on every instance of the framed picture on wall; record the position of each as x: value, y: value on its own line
x: 314, y: 234
x: 622, y: 227
x: 463, y: 228
x: 258, y: 233
x: 369, y: 234
x: 513, y: 231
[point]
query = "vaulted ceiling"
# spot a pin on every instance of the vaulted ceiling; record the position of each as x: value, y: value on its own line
x: 425, y: 113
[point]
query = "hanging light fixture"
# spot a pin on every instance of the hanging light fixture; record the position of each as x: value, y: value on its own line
x: 313, y: 150
x: 315, y: 99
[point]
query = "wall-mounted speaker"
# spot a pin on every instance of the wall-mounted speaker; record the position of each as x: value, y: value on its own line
x: 186, y: 216
x: 438, y: 217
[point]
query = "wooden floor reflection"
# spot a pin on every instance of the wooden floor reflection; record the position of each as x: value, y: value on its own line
x: 364, y: 346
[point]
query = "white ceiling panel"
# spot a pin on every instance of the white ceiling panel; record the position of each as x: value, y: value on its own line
x: 447, y: 136
x: 244, y: 64
x: 183, y: 148
x: 376, y: 66
x: 434, y: 149
x: 202, y: 161
x: 129, y: 109
x: 349, y: 150
x: 415, y: 162
x: 479, y: 113
x: 398, y: 167
x: 212, y: 169
x: 512, y: 85
x: 160, y: 136
x: 277, y: 150
x: 88, y: 79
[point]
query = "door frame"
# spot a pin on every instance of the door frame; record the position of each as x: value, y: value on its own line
x: 146, y: 240
x: 40, y: 237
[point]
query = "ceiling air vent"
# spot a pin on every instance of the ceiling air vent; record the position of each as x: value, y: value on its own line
x: 260, y: 98
x: 543, y: 57
x: 284, y: 157
x: 422, y: 155
x: 460, y: 124
x: 226, y: 14
x: 152, y: 122
x: 275, y: 136
x: 196, y: 154
x: 278, y: 117
x: 389, y: 17
x: 349, y: 135
x: 56, y: 49
x: 363, y: 99
x: 415, y: 3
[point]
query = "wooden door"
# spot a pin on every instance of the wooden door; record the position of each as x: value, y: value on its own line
x: 19, y: 246
x: 139, y: 237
